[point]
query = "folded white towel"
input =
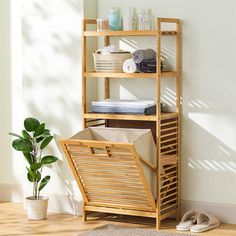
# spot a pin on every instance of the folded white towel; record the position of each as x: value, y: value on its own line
x: 129, y: 66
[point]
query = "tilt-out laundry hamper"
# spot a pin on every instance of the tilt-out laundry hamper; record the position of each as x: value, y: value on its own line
x: 115, y: 169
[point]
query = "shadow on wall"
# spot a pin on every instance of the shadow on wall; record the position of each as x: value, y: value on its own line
x: 51, y: 59
x: 51, y: 71
x: 208, y: 151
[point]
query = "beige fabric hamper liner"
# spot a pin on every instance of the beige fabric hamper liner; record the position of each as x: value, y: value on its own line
x: 141, y: 138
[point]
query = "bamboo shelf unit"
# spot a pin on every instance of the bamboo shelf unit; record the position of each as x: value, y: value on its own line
x: 105, y: 196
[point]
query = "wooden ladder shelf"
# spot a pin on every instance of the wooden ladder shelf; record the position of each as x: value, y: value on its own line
x: 112, y: 180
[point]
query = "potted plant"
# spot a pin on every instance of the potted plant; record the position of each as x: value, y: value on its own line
x: 32, y: 142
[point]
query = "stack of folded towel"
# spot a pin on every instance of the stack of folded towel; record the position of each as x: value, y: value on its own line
x: 145, y: 107
x: 143, y: 61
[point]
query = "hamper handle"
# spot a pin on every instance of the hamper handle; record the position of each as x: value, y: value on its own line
x: 93, y: 152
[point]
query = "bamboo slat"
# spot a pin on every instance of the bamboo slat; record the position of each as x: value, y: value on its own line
x: 169, y: 201
x: 129, y: 33
x: 168, y: 196
x: 116, y: 210
x: 170, y: 206
x: 167, y: 185
x: 170, y: 213
x: 93, y: 74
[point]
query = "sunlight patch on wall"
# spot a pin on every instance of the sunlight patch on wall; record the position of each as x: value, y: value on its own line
x: 211, y: 165
x: 217, y: 125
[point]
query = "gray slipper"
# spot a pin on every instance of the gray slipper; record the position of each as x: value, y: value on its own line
x: 187, y: 221
x: 205, y: 222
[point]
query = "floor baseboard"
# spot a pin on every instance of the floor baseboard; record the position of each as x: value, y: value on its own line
x: 58, y: 203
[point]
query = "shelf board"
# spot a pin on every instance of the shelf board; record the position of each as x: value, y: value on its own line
x: 128, y: 75
x: 128, y: 33
x: 129, y: 117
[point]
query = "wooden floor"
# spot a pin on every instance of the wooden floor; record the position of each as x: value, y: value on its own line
x: 13, y: 221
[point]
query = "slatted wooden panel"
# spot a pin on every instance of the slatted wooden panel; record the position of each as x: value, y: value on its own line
x: 94, y: 122
x: 169, y: 180
x: 109, y: 174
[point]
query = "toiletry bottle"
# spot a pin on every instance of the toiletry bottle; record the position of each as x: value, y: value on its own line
x: 144, y: 22
x: 141, y: 19
x: 128, y: 19
x: 147, y: 20
x: 114, y: 19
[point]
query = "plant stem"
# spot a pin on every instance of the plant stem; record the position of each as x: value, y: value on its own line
x: 36, y: 188
x: 35, y: 191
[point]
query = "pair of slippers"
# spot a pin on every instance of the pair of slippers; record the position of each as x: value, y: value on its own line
x: 197, y: 222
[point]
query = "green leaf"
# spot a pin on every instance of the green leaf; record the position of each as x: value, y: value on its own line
x: 49, y: 159
x: 30, y: 175
x: 28, y: 157
x: 36, y: 166
x: 38, y: 176
x: 22, y: 145
x: 38, y: 140
x: 46, y: 133
x: 30, y: 178
x: 44, y: 181
x: 31, y: 124
x: 26, y: 135
x: 16, y: 135
x: 39, y: 130
x: 45, y: 142
x: 33, y: 176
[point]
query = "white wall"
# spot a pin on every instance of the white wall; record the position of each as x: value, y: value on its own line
x: 5, y: 90
x: 47, y: 86
x: 209, y: 114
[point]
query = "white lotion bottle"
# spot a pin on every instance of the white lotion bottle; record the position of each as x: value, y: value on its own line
x: 128, y: 19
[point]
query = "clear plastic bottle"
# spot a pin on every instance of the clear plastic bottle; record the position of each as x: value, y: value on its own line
x: 143, y: 19
x: 128, y: 19
x: 147, y: 20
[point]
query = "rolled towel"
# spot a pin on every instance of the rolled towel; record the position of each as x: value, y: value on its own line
x: 129, y: 66
x: 148, y: 66
x: 145, y: 54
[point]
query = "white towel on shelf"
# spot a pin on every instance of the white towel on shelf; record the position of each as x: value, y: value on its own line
x: 129, y: 66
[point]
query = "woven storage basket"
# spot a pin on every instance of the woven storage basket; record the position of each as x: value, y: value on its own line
x: 112, y: 62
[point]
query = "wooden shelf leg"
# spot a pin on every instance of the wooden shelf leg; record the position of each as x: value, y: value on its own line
x: 84, y: 216
x: 178, y: 215
x: 158, y: 223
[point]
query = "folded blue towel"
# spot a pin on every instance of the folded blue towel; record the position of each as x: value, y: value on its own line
x: 148, y: 66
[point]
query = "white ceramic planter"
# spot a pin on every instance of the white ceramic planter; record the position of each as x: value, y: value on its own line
x: 36, y: 209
